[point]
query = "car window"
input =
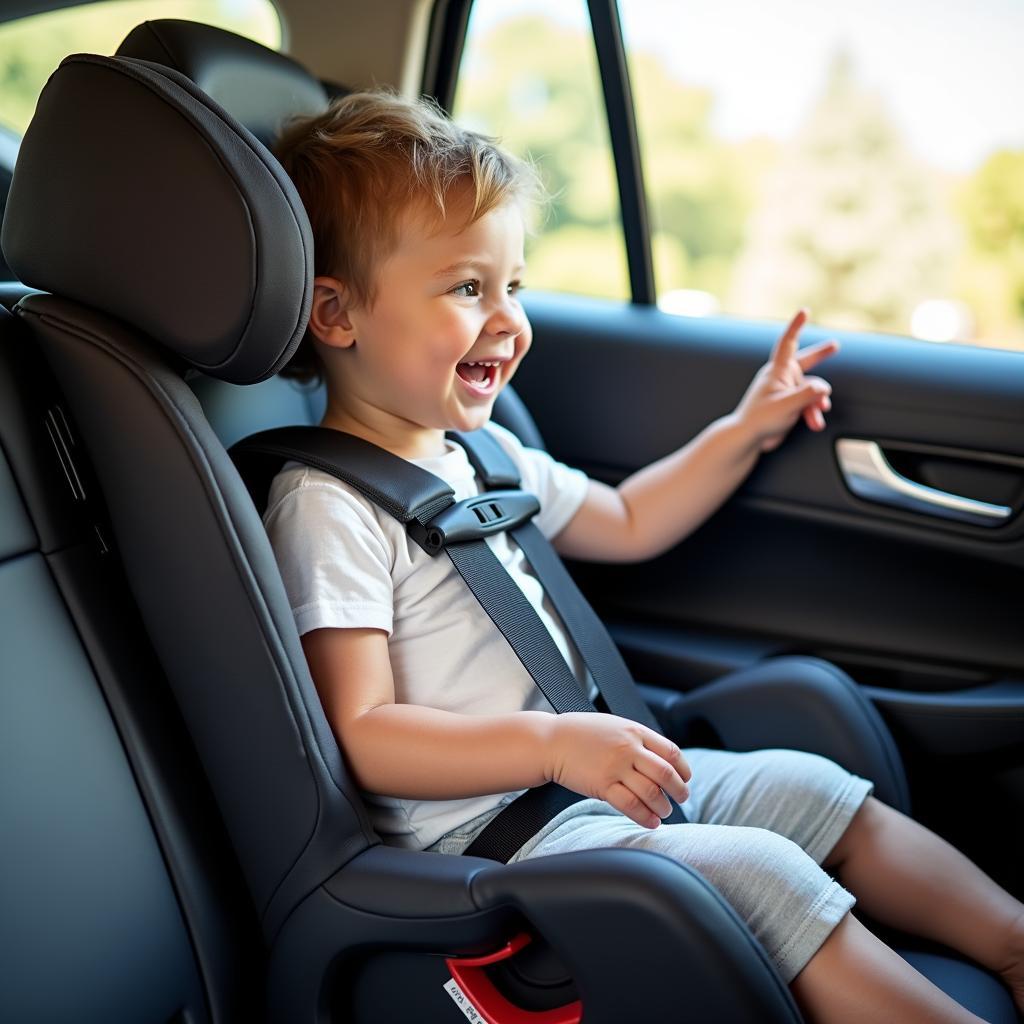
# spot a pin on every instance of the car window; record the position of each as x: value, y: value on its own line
x: 866, y: 160
x: 529, y: 76
x: 31, y: 48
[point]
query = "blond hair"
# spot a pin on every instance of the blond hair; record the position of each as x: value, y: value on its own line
x: 365, y: 162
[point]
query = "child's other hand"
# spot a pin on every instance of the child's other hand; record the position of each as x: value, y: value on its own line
x: 619, y: 761
x: 780, y: 392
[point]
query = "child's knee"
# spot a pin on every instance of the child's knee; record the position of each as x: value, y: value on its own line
x: 749, y: 862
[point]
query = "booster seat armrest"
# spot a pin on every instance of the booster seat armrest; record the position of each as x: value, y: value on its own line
x: 405, y: 883
x: 664, y: 703
x: 645, y: 938
x: 795, y: 702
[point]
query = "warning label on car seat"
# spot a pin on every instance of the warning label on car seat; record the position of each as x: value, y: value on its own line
x: 462, y: 1002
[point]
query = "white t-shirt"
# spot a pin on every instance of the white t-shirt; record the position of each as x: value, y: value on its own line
x: 346, y: 563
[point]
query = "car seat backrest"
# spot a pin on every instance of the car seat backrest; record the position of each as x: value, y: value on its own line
x: 171, y: 239
x: 261, y: 89
x: 118, y: 901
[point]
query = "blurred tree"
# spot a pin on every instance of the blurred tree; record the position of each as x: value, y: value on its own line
x: 546, y: 104
x: 991, y: 275
x: 699, y: 190
x: 850, y: 225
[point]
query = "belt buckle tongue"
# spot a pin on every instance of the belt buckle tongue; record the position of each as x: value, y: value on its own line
x: 474, y: 519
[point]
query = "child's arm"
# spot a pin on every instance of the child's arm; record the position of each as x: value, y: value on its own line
x: 412, y: 752
x: 657, y: 506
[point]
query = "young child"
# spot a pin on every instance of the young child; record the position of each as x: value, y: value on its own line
x: 416, y: 326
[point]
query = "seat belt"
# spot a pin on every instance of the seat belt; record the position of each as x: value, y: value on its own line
x: 426, y: 505
x: 614, y: 681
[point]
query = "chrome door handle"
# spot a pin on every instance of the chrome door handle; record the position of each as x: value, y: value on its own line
x: 868, y: 474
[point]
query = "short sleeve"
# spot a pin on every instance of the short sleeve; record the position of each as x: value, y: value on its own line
x: 333, y: 556
x: 560, y: 488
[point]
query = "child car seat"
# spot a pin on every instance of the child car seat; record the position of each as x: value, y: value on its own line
x: 140, y: 163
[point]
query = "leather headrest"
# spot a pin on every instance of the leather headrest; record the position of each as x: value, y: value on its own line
x: 136, y: 194
x: 259, y: 87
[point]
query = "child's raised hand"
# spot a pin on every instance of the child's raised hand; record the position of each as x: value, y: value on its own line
x: 781, y: 392
x: 619, y: 761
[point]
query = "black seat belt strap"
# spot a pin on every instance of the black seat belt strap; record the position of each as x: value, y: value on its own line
x: 591, y: 637
x: 596, y: 647
x: 520, y: 624
x: 410, y: 494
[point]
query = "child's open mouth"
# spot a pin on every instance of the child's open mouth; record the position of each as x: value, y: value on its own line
x: 480, y: 377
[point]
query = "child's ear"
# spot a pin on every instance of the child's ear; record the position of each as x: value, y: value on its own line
x: 328, y: 319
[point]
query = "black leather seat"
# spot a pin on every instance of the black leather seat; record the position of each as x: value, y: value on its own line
x: 221, y: 285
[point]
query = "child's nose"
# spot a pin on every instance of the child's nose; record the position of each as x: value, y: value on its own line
x: 508, y: 318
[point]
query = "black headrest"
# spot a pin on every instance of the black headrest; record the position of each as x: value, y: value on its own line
x: 260, y: 87
x: 136, y: 194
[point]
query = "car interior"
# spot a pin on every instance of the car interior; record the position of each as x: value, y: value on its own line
x: 183, y: 841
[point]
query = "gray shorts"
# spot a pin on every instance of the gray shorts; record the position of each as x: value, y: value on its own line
x: 760, y: 824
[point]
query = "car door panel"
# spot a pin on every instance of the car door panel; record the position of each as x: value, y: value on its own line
x: 795, y: 553
x: 923, y: 612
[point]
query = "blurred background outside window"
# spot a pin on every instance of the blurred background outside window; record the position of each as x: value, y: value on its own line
x: 529, y: 76
x: 866, y: 160
x: 31, y: 48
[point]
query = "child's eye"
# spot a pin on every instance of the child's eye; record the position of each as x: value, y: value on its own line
x: 515, y: 287
x: 467, y: 290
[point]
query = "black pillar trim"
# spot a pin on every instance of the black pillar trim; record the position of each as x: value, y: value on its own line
x: 618, y: 98
x: 447, y: 38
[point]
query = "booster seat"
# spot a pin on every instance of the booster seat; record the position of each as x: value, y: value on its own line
x: 170, y: 240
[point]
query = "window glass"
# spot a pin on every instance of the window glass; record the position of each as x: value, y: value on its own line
x: 866, y: 160
x: 529, y: 77
x: 31, y: 48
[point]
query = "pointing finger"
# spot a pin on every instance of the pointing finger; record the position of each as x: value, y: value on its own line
x: 785, y: 347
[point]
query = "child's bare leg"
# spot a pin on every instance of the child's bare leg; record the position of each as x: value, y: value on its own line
x: 855, y: 978
x: 909, y: 878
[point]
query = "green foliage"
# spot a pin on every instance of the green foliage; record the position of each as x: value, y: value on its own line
x: 31, y: 48
x: 992, y: 275
x: 994, y: 202
x: 697, y: 191
x: 592, y: 259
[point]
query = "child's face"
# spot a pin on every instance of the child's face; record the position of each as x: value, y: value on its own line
x: 445, y: 299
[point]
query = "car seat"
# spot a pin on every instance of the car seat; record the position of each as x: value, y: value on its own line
x: 171, y: 241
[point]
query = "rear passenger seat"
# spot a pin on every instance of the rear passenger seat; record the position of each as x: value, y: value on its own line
x: 121, y: 898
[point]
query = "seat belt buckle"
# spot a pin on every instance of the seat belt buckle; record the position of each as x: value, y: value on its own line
x: 470, y: 984
x: 474, y: 519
